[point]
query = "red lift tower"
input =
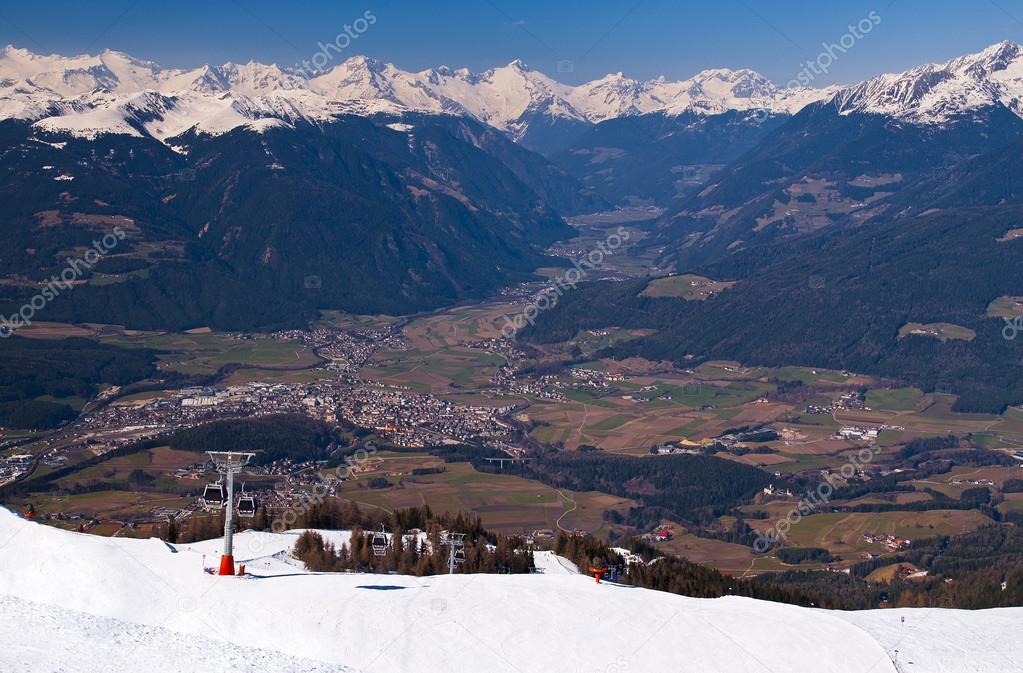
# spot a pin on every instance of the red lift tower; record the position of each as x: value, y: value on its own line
x: 229, y: 463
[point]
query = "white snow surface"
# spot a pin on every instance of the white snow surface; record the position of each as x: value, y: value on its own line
x: 79, y: 603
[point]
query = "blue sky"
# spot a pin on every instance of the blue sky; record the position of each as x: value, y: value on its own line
x: 642, y: 38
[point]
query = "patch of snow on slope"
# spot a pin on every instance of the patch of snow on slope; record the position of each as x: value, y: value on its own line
x: 90, y: 124
x: 549, y: 563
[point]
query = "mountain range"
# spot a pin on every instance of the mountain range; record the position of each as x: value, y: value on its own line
x: 113, y: 92
x: 256, y: 195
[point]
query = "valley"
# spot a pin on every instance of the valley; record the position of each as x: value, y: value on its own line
x: 461, y: 418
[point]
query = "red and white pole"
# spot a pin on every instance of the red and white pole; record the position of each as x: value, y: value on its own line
x: 227, y: 560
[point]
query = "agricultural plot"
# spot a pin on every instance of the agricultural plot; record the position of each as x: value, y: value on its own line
x: 454, y: 327
x: 435, y: 371
x: 842, y: 533
x: 895, y: 399
x: 112, y: 504
x: 158, y: 463
x: 686, y: 286
x: 206, y: 353
x: 1006, y: 307
x: 505, y: 503
x: 351, y: 321
x: 962, y: 478
x: 943, y: 331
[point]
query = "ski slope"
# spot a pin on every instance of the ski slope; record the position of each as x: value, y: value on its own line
x: 83, y: 604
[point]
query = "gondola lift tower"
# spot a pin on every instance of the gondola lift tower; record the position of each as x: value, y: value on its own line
x: 229, y: 463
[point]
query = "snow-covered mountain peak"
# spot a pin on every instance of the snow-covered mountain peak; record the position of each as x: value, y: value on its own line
x: 255, y: 79
x: 742, y: 83
x: 518, y: 64
x: 937, y: 92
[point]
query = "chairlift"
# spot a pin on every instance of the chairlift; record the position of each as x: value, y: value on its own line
x: 459, y: 555
x: 214, y: 495
x: 379, y: 542
x: 246, y: 504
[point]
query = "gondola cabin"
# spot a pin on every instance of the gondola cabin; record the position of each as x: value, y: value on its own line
x: 379, y: 543
x: 214, y: 495
x: 247, y: 506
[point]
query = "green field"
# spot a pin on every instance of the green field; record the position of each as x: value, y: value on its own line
x: 894, y: 399
x: 686, y: 286
x: 207, y: 353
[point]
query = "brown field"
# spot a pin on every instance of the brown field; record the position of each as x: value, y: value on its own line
x: 900, y: 498
x: 887, y: 574
x: 1006, y: 307
x: 942, y: 482
x: 726, y: 557
x: 54, y: 330
x: 581, y: 423
x: 458, y: 325
x: 435, y: 361
x: 1013, y: 503
x: 161, y: 461
x: 505, y: 503
x: 250, y: 375
x: 614, y: 423
x: 354, y: 321
x: 107, y: 504
x: 687, y: 286
x: 731, y: 559
x: 820, y: 447
x: 942, y: 331
x: 758, y: 459
x: 440, y: 371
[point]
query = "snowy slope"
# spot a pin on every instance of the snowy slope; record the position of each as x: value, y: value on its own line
x: 87, y: 643
x: 153, y: 599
